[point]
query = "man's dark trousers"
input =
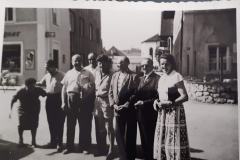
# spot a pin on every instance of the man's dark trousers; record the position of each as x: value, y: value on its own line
x: 55, y: 117
x: 81, y: 111
x: 126, y: 132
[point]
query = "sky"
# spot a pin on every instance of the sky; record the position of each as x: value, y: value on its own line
x: 126, y: 29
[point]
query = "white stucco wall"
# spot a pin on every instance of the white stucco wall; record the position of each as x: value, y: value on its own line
x: 145, y: 47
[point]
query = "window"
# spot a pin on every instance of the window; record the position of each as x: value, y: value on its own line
x: 55, y: 57
x: 81, y: 26
x: 151, y: 51
x: 163, y: 43
x: 217, y: 58
x: 91, y: 32
x: 98, y: 36
x: 54, y: 17
x: 72, y: 21
x: 168, y: 14
x: 9, y: 14
x: 11, y: 57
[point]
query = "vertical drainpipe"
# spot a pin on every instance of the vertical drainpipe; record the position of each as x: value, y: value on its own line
x: 181, y: 45
x: 194, y: 49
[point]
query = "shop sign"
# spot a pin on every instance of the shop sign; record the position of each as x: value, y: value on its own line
x: 11, y: 34
x: 50, y: 34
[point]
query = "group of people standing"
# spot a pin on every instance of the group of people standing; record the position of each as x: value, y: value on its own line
x: 152, y: 101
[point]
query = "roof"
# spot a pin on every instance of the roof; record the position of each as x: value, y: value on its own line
x: 154, y: 38
x: 113, y: 51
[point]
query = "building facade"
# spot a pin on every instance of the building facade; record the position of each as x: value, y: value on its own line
x: 149, y: 48
x: 204, y: 43
x: 85, y: 33
x: 33, y: 36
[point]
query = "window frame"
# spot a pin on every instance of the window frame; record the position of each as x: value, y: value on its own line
x: 91, y: 32
x: 228, y: 62
x: 14, y: 15
x: 81, y: 27
x: 55, y: 10
x: 21, y: 55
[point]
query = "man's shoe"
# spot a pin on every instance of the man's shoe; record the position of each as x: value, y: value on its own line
x: 85, y: 151
x: 110, y: 156
x: 34, y: 145
x: 50, y: 146
x: 59, y: 148
x: 101, y: 152
x: 68, y: 151
x: 20, y: 145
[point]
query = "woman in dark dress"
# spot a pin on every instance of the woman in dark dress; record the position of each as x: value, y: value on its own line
x: 29, y: 108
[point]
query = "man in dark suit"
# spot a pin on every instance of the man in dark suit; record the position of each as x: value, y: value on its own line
x: 146, y: 115
x: 121, y: 94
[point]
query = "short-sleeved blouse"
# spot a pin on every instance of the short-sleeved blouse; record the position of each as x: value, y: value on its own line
x: 166, y: 81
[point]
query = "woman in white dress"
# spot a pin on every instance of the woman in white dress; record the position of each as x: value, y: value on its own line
x: 171, y: 138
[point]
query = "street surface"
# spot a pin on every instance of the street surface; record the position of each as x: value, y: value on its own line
x: 212, y: 130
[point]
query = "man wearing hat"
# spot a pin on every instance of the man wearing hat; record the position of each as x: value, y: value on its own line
x: 55, y: 115
x: 103, y: 113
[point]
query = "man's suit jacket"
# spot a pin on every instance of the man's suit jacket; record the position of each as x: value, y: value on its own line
x: 147, y: 92
x: 102, y: 85
x: 126, y: 93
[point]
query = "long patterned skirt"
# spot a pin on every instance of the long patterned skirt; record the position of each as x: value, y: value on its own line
x: 171, y: 138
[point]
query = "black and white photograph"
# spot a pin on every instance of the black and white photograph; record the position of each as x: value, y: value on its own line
x: 110, y: 83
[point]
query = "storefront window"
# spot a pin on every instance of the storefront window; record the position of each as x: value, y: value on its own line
x: 11, y: 58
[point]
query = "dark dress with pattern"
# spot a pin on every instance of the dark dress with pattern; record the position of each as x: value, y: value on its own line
x: 29, y: 108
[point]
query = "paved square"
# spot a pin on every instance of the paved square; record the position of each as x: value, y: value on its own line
x: 212, y: 128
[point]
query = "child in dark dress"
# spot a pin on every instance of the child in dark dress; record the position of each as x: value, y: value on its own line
x: 29, y: 108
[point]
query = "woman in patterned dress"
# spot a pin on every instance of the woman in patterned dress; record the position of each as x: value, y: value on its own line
x: 171, y: 138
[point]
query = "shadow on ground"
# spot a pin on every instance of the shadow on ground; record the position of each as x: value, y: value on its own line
x: 93, y: 150
x: 11, y: 151
x: 193, y: 158
x: 194, y: 150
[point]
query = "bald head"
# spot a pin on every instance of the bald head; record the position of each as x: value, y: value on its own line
x: 147, y: 61
x: 91, y: 56
x: 76, y: 56
x: 92, y: 59
x: 76, y: 61
x: 147, y: 65
x: 123, y: 63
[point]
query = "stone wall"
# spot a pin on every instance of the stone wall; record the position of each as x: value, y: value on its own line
x: 212, y: 92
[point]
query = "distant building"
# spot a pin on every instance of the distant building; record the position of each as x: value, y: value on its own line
x: 113, y: 51
x: 204, y: 43
x: 33, y: 36
x: 132, y: 52
x: 85, y: 33
x: 149, y: 48
x: 115, y: 54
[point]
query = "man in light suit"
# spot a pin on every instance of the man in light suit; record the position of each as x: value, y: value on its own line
x: 146, y: 115
x: 121, y: 97
x: 103, y: 112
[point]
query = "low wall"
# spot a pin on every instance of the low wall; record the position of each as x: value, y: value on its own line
x: 212, y: 92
